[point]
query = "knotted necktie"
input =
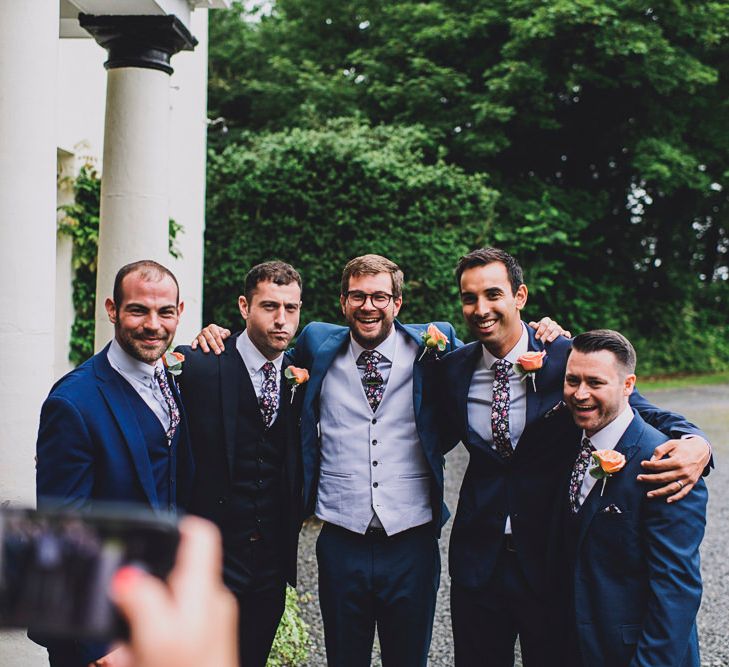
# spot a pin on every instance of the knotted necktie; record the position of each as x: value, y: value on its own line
x: 268, y: 400
x: 372, y: 378
x: 578, y: 473
x: 500, y: 409
x: 164, y: 386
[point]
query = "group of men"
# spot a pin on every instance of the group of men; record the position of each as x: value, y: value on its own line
x: 538, y: 549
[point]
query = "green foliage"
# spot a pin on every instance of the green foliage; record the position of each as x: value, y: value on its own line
x: 601, y: 124
x: 291, y: 644
x: 317, y: 198
x: 80, y: 222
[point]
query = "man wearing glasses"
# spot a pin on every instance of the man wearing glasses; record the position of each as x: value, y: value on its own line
x: 373, y: 471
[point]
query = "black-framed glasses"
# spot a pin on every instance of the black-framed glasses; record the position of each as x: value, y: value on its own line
x: 379, y: 300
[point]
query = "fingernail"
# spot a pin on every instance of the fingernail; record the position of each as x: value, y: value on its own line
x: 124, y: 578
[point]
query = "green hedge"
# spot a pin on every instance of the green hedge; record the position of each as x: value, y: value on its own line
x: 317, y: 198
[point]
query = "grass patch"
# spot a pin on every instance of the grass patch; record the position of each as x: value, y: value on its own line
x: 651, y: 383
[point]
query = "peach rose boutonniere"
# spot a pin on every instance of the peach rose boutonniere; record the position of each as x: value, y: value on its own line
x: 173, y: 362
x: 528, y: 364
x: 606, y: 462
x: 434, y: 340
x: 295, y: 377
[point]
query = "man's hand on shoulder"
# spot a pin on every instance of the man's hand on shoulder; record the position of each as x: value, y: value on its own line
x: 211, y: 338
x: 547, y: 330
x: 678, y: 465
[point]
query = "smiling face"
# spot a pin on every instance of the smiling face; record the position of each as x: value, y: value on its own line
x: 596, y: 388
x: 146, y: 319
x: 490, y: 307
x: 370, y: 325
x: 272, y: 316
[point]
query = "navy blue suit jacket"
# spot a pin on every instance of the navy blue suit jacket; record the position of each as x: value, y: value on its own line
x: 316, y: 348
x: 524, y: 487
x: 214, y: 385
x: 91, y: 449
x: 636, y: 578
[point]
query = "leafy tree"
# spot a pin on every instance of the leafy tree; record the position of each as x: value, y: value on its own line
x: 601, y: 123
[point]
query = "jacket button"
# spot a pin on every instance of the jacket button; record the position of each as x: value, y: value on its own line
x: 374, y: 442
x: 374, y: 485
x: 221, y: 501
x: 374, y: 420
x: 374, y: 463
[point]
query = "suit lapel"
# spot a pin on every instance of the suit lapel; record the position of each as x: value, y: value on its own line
x: 124, y: 415
x: 323, y: 359
x: 417, y: 366
x: 465, y: 376
x: 534, y: 398
x: 627, y: 445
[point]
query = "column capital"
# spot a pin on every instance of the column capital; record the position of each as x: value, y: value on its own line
x: 139, y: 41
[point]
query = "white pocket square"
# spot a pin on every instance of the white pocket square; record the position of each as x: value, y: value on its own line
x: 611, y: 509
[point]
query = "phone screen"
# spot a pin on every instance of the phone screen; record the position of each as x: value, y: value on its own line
x: 56, y: 566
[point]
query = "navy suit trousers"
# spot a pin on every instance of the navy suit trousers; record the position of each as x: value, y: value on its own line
x: 486, y: 621
x: 375, y: 580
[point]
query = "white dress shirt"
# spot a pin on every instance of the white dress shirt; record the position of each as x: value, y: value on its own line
x: 140, y: 375
x: 254, y: 361
x: 480, y: 397
x: 606, y: 438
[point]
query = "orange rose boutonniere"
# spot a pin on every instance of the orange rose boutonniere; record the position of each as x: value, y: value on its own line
x: 295, y: 377
x: 173, y: 362
x: 433, y: 339
x: 606, y: 462
x: 528, y: 364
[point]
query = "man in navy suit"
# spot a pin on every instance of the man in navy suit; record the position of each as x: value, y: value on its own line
x: 502, y: 551
x: 243, y: 421
x: 635, y: 581
x: 113, y: 429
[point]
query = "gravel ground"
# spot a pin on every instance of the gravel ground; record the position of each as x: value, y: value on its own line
x: 707, y: 407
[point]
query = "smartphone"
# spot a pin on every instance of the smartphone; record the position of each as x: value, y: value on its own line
x: 56, y: 566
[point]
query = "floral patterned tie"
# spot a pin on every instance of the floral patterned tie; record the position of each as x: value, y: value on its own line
x: 578, y: 473
x: 268, y: 400
x: 372, y: 378
x: 164, y: 386
x: 500, y: 409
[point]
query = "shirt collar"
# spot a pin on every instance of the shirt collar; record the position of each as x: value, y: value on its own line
x: 386, y: 348
x: 609, y: 436
x: 251, y: 355
x: 521, y: 347
x: 130, y: 366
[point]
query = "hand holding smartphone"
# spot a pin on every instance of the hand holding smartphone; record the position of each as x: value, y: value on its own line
x: 56, y: 566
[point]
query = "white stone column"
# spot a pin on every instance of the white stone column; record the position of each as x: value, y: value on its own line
x: 134, y: 195
x: 188, y: 140
x: 28, y: 69
x: 134, y: 216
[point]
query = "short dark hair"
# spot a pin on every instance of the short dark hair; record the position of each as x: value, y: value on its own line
x: 607, y: 339
x: 148, y: 270
x: 371, y: 265
x: 275, y: 271
x: 489, y: 255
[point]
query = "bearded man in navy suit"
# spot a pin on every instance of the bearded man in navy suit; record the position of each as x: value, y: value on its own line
x: 114, y: 429
x: 502, y: 549
x: 633, y: 564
